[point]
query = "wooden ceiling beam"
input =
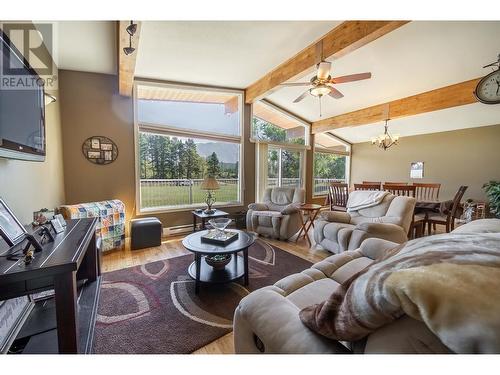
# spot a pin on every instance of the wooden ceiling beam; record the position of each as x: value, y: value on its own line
x: 343, y: 39
x: 126, y: 63
x: 435, y: 100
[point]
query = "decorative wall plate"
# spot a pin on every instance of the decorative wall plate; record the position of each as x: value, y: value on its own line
x: 100, y: 150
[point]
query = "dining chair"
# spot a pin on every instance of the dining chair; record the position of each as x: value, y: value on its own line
x: 379, y: 183
x: 417, y: 226
x: 427, y: 191
x: 366, y: 187
x: 338, y: 193
x: 447, y: 220
x: 395, y: 183
x: 400, y: 189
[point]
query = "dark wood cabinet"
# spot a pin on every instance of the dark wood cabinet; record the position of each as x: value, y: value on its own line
x: 71, y: 267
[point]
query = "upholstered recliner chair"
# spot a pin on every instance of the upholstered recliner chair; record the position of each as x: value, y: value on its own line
x: 278, y: 216
x: 389, y: 220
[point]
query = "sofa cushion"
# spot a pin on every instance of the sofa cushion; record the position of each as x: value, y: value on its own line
x: 282, y: 196
x: 312, y: 293
x: 480, y: 226
x: 331, y: 230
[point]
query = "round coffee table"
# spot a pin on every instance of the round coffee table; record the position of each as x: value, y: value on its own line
x: 201, y: 272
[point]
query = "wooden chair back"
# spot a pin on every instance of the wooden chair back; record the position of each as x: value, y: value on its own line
x: 405, y: 190
x: 456, y: 202
x: 395, y: 183
x: 379, y: 183
x: 338, y: 193
x: 366, y: 187
x: 427, y: 192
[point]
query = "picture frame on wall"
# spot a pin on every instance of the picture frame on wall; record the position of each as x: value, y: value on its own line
x: 106, y: 147
x: 94, y: 154
x: 96, y: 143
x: 417, y: 169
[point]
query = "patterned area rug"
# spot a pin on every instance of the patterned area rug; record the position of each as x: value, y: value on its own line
x: 153, y: 308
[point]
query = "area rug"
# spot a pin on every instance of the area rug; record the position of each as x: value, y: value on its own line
x: 152, y: 308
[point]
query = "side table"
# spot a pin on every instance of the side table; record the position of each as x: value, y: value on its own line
x: 205, y: 217
x: 311, y: 210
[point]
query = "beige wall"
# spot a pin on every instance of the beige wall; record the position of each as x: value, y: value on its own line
x: 27, y: 186
x: 463, y: 157
x: 90, y: 106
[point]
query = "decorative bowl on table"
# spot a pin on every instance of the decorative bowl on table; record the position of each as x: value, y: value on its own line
x: 220, y: 225
x: 219, y: 261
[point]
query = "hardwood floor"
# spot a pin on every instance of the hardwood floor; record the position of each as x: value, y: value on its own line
x: 172, y: 247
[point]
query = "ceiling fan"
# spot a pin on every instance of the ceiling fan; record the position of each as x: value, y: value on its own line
x: 322, y: 83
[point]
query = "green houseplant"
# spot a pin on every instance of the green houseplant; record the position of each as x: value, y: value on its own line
x: 492, y: 189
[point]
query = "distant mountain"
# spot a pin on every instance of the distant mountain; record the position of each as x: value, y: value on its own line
x: 226, y: 152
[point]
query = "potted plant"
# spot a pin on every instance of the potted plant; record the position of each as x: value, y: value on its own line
x: 492, y: 190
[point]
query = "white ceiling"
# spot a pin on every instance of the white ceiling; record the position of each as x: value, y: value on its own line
x: 88, y: 46
x: 221, y: 53
x: 418, y: 57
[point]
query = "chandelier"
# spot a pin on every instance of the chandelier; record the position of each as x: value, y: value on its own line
x: 386, y: 140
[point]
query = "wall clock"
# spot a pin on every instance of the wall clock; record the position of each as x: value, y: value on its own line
x: 488, y: 89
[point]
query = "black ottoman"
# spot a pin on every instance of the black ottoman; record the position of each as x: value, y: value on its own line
x: 145, y: 232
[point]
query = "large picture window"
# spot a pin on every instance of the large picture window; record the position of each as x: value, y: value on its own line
x: 183, y: 136
x: 331, y: 163
x: 282, y: 141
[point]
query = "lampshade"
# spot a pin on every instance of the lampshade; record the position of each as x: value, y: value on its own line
x: 210, y: 183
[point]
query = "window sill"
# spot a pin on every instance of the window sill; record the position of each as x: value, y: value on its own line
x: 159, y: 210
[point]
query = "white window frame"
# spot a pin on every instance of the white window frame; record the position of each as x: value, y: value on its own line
x: 280, y: 145
x: 186, y: 133
x: 326, y: 150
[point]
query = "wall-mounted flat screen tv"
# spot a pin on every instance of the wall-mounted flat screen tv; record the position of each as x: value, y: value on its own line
x: 22, y: 110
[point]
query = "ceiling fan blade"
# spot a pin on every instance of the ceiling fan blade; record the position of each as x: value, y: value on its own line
x: 336, y: 94
x: 324, y: 69
x: 301, y: 97
x: 296, y: 84
x: 351, y: 78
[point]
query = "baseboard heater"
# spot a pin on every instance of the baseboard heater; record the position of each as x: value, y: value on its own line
x: 179, y: 229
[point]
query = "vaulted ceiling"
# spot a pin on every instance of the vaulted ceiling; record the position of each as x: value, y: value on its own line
x: 414, y: 58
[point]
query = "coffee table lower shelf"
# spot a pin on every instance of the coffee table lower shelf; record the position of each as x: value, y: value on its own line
x: 234, y: 270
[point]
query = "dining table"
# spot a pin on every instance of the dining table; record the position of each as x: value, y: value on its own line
x: 440, y: 206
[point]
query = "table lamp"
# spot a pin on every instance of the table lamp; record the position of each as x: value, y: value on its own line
x: 210, y: 184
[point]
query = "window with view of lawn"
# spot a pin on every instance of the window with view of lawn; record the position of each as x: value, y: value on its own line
x: 331, y: 163
x: 185, y: 135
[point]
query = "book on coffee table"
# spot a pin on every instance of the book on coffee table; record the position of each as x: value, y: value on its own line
x: 213, y: 236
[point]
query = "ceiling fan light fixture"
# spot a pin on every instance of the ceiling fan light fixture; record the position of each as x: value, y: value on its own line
x: 320, y: 90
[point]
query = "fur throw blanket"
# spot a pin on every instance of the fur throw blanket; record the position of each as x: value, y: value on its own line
x: 451, y: 282
x: 360, y: 199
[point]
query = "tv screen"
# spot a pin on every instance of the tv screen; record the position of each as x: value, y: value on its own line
x: 22, y: 110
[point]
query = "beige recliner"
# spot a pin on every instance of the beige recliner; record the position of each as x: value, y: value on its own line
x: 267, y: 320
x: 390, y: 220
x: 278, y: 216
